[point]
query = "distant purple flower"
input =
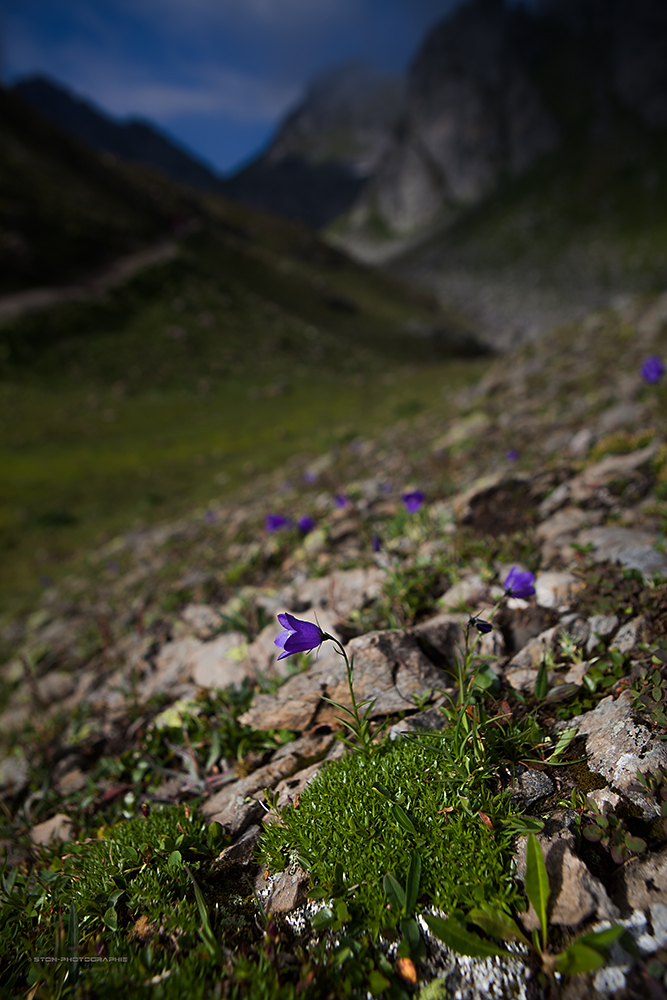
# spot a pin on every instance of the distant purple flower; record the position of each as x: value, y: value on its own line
x: 299, y: 636
x: 376, y: 544
x: 386, y: 487
x: 653, y: 369
x: 210, y: 516
x: 518, y: 584
x: 310, y: 477
x: 341, y: 500
x: 274, y: 522
x: 512, y: 455
x: 305, y: 524
x: 413, y: 501
x: 482, y: 627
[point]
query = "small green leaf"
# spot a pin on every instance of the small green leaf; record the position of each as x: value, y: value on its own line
x: 111, y: 919
x: 460, y: 940
x: 395, y: 892
x: 496, y: 923
x: 382, y: 790
x: 541, y: 681
x: 322, y: 919
x: 412, y: 882
x: 579, y: 958
x: 403, y: 820
x: 593, y: 833
x: 205, y: 931
x: 635, y: 844
x: 601, y: 940
x: 377, y: 983
x: 537, y: 882
x: 175, y: 859
x: 524, y: 824
x: 342, y: 912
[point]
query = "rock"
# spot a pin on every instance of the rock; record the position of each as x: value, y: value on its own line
x: 222, y: 662
x: 55, y: 686
x: 71, y: 781
x: 13, y: 774
x: 555, y: 590
x: 558, y: 530
x: 442, y: 638
x: 289, y: 788
x: 341, y: 592
x: 630, y: 547
x: 234, y: 806
x: 242, y: 852
x: 388, y: 666
x: 617, y: 748
x: 581, y: 442
x: 630, y: 634
x: 432, y: 720
x: 600, y: 627
x: 529, y: 786
x: 521, y: 671
x: 171, y: 669
x: 59, y: 827
x: 583, y: 486
x: 289, y: 890
x: 469, y: 592
x: 642, y: 882
x: 576, y: 895
x: 202, y: 620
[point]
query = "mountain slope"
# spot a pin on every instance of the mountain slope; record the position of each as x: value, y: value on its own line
x: 326, y: 148
x: 134, y: 140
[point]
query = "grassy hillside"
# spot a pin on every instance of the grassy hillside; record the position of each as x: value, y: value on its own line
x: 255, y: 342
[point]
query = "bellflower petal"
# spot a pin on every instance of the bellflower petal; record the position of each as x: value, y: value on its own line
x: 519, y: 584
x: 274, y: 522
x: 305, y: 524
x: 413, y: 501
x: 298, y: 637
x: 653, y: 369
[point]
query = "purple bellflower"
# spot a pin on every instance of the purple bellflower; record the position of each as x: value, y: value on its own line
x: 482, y: 627
x: 299, y: 636
x: 413, y: 501
x: 512, y: 455
x: 341, y: 500
x: 653, y: 369
x: 310, y: 476
x: 518, y: 584
x: 376, y: 543
x: 305, y: 524
x: 274, y: 522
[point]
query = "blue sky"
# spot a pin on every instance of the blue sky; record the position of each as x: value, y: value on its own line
x: 216, y: 74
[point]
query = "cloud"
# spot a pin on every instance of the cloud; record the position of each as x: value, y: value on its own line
x: 225, y: 92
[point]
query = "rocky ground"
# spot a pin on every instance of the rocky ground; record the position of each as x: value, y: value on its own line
x: 556, y: 463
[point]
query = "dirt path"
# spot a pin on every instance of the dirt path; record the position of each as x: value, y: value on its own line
x: 20, y: 303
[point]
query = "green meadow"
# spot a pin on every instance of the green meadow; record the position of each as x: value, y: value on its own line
x: 120, y: 412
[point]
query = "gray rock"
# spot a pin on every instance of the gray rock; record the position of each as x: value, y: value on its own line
x: 289, y: 890
x: 341, y: 592
x: 630, y: 547
x: 583, y: 486
x: 559, y: 530
x: 643, y: 881
x: 242, y: 852
x: 13, y: 774
x: 431, y: 720
x: 237, y: 806
x: 553, y: 590
x: 529, y: 786
x: 59, y: 827
x: 388, y: 666
x: 202, y: 620
x: 56, y: 686
x: 222, y: 662
x: 600, y: 627
x: 469, y: 591
x: 576, y: 895
x: 618, y: 747
x: 629, y: 634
